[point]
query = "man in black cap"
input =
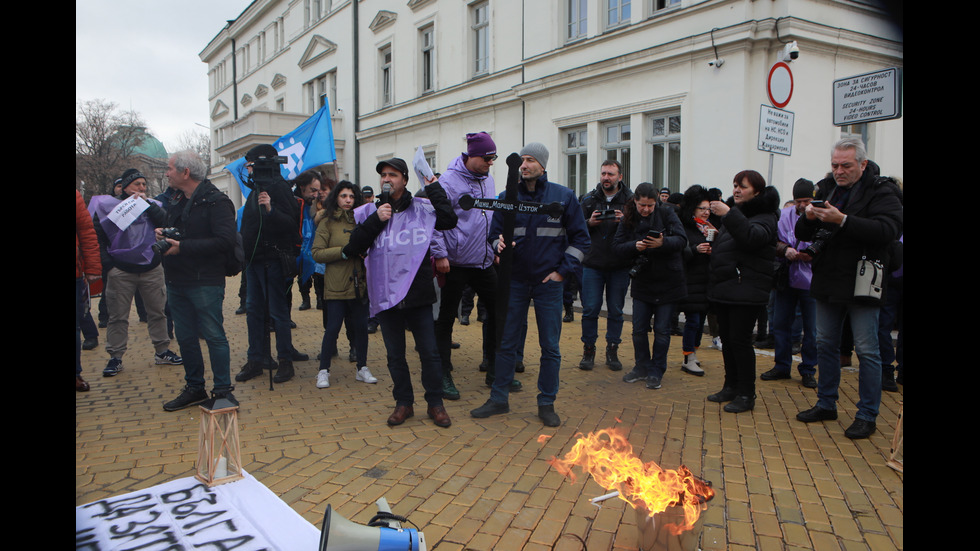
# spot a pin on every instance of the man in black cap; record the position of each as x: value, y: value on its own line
x: 792, y: 290
x: 271, y: 238
x: 132, y: 264
x: 395, y: 235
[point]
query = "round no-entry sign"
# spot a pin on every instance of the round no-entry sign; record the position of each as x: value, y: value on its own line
x: 779, y: 85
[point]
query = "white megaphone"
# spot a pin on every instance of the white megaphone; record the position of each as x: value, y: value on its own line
x: 383, y: 534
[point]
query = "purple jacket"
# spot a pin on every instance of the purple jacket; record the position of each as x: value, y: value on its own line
x: 799, y: 272
x: 466, y: 245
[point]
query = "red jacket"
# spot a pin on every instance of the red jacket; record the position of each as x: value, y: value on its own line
x: 87, y: 259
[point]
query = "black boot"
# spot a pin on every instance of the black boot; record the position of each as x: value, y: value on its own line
x: 569, y: 315
x: 588, y: 358
x: 612, y: 357
x: 285, y: 371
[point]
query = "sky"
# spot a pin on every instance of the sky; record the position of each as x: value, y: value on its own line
x: 143, y: 55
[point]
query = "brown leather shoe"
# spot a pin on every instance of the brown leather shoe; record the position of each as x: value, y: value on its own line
x: 82, y: 386
x: 401, y: 413
x: 439, y: 416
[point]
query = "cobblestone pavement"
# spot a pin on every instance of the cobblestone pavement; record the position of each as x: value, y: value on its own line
x: 486, y: 483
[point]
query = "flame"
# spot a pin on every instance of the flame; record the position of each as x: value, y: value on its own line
x: 609, y: 458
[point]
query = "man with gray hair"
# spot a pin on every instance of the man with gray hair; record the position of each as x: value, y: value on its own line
x: 195, y: 266
x: 546, y: 251
x: 853, y: 222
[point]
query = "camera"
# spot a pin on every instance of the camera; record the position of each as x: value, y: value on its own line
x: 638, y: 266
x: 265, y: 171
x: 607, y: 214
x: 162, y: 246
x: 791, y: 51
x: 818, y: 243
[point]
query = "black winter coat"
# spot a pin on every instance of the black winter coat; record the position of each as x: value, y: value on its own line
x: 422, y: 292
x: 741, y: 268
x: 206, y: 222
x: 695, y: 270
x: 660, y: 279
x: 875, y: 220
x: 266, y: 235
x: 600, y: 255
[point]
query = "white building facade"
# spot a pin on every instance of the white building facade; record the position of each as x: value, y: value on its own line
x: 634, y: 80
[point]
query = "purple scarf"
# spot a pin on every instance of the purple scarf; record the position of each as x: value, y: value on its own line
x: 397, y: 252
x: 133, y: 245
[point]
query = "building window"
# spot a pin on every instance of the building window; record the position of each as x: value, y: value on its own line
x: 480, y: 30
x: 386, y: 82
x: 616, y: 145
x: 576, y: 160
x: 322, y: 90
x: 666, y: 141
x: 665, y: 4
x: 428, y: 46
x: 577, y: 25
x: 617, y: 12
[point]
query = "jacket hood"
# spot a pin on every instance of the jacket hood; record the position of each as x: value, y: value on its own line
x: 765, y: 202
x: 459, y: 165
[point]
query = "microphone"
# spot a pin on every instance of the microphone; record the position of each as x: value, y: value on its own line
x: 385, y: 196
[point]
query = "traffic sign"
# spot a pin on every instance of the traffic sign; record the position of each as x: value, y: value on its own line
x: 776, y: 130
x: 779, y: 85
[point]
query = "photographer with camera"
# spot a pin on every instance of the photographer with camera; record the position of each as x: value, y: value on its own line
x: 863, y: 215
x: 652, y: 237
x: 271, y: 237
x: 132, y: 263
x: 792, y: 289
x: 603, y: 271
x: 195, y: 263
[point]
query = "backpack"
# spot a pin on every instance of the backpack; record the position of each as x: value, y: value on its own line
x: 235, y: 262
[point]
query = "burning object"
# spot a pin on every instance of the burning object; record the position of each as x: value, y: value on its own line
x: 668, y: 502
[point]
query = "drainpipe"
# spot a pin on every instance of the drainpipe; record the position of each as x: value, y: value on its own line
x: 357, y: 94
x: 234, y: 73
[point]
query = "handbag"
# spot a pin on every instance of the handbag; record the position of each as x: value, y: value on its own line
x: 870, y: 278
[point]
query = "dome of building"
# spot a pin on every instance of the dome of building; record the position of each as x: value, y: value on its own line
x: 149, y: 146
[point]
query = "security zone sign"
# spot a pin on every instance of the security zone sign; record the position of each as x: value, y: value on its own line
x: 776, y: 130
x: 869, y: 97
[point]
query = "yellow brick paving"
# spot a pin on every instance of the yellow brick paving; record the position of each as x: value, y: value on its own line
x: 485, y: 483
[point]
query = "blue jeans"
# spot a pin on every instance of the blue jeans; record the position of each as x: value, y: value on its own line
x: 655, y: 362
x: 548, y: 305
x: 79, y: 309
x: 892, y: 317
x: 864, y: 327
x: 693, y: 328
x: 614, y: 283
x: 784, y: 316
x: 418, y: 320
x: 197, y: 314
x: 265, y: 292
x: 354, y: 313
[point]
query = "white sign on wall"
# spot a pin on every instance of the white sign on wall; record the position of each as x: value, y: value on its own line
x: 868, y: 97
x: 776, y: 130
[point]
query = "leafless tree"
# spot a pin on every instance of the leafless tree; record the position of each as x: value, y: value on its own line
x: 105, y: 137
x: 198, y: 141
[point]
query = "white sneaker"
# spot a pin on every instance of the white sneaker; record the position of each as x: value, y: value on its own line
x: 323, y: 379
x: 364, y: 375
x: 716, y: 343
x: 692, y: 365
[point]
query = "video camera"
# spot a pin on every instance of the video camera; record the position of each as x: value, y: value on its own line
x: 265, y: 165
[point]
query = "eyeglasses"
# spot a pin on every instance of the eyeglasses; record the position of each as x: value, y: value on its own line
x: 489, y: 158
x: 702, y: 208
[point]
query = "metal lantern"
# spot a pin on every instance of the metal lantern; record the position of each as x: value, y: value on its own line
x: 219, y: 458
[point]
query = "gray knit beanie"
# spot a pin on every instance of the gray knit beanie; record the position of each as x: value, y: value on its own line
x: 538, y: 151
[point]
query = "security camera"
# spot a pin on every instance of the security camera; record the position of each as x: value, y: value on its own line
x: 716, y: 62
x: 791, y: 51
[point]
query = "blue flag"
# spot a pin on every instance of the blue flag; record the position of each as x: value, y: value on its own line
x: 310, y: 145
